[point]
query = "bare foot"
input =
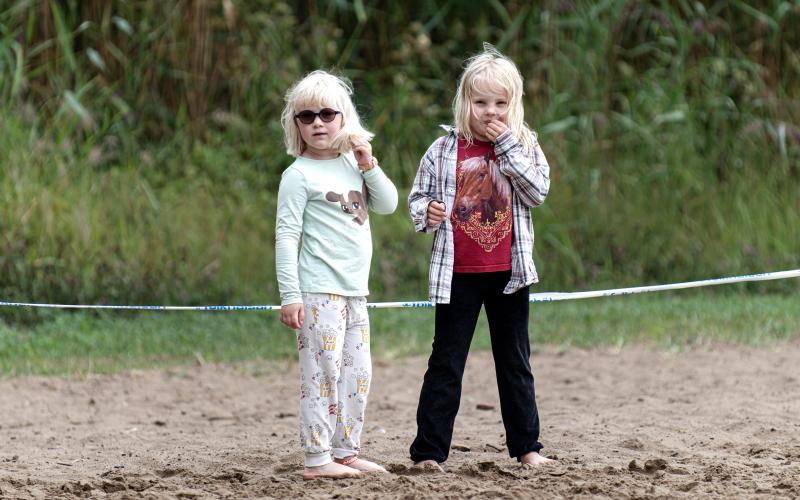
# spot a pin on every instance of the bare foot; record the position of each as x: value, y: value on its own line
x: 533, y: 459
x: 332, y: 470
x: 429, y: 465
x: 360, y: 464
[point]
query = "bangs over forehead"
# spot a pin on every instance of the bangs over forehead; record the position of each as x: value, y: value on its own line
x: 485, y: 84
x: 316, y: 92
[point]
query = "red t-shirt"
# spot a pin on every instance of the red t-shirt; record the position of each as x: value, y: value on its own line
x: 481, y: 215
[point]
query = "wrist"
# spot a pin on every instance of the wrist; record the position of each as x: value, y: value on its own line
x: 504, y: 142
x: 369, y: 165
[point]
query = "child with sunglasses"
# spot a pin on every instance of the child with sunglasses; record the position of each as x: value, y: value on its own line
x: 474, y: 190
x: 323, y: 199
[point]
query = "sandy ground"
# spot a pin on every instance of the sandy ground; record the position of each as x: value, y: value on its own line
x: 716, y: 421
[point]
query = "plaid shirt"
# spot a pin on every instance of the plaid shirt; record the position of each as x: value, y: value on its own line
x: 529, y: 174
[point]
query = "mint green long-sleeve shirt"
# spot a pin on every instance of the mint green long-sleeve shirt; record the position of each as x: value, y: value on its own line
x: 323, y: 207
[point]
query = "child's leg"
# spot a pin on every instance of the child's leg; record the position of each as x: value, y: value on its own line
x: 320, y: 344
x: 508, y: 326
x: 440, y: 396
x: 355, y: 380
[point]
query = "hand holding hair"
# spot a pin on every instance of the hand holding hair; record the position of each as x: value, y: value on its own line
x: 363, y: 154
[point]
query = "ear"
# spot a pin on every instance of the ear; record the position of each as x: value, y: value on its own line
x: 331, y: 196
x: 355, y: 195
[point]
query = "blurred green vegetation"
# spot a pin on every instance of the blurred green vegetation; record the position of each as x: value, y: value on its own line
x: 140, y: 145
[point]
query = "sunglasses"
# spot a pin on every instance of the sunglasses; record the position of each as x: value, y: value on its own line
x: 307, y: 116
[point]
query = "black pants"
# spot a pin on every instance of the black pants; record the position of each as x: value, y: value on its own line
x: 441, y: 389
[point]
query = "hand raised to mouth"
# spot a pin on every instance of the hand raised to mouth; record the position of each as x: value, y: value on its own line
x: 495, y: 129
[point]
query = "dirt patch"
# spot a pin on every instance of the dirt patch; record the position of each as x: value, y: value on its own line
x: 717, y: 421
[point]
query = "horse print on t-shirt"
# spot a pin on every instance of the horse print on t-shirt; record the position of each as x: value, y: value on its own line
x: 482, y: 207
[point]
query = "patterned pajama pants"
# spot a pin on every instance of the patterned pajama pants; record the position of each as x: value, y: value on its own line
x: 335, y: 373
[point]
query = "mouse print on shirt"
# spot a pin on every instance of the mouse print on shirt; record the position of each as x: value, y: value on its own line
x: 353, y: 203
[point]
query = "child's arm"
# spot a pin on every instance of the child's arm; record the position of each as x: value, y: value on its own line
x: 382, y: 197
x: 292, y: 198
x: 423, y: 192
x: 528, y: 171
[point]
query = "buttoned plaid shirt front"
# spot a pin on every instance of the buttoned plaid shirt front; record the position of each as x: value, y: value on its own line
x: 529, y: 175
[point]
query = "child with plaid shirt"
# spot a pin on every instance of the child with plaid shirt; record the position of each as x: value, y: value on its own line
x: 474, y: 190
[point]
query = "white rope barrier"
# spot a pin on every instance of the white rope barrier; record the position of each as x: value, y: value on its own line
x: 557, y: 296
x: 534, y: 297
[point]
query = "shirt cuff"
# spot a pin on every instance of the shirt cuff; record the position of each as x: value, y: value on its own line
x: 504, y: 143
x: 371, y: 172
x: 291, y: 298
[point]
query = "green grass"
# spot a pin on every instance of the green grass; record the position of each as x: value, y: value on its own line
x: 83, y: 343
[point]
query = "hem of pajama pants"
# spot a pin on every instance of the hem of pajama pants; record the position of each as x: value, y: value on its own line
x: 317, y: 459
x: 340, y: 453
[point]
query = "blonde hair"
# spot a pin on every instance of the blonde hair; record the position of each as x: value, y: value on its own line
x: 493, y: 69
x: 322, y: 89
